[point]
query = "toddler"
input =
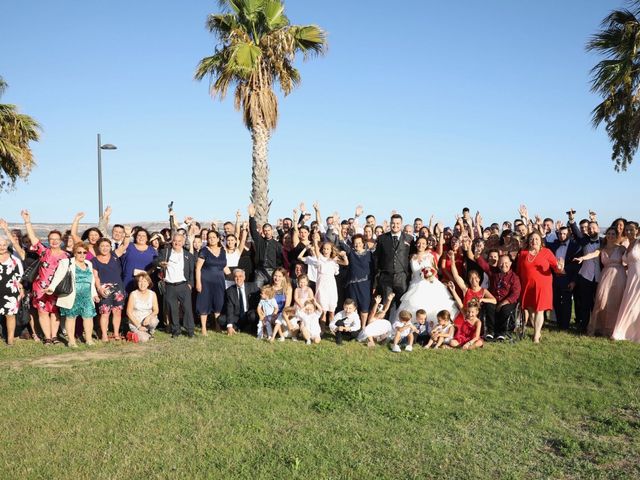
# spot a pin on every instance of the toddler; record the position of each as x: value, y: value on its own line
x: 403, y: 331
x: 286, y: 325
x: 442, y: 334
x: 310, y: 317
x: 267, y: 311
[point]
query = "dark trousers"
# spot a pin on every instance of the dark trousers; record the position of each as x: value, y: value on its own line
x: 180, y: 295
x: 396, y: 283
x: 586, y: 292
x: 247, y: 323
x: 502, y: 318
x: 422, y: 339
x: 562, y: 304
x: 340, y: 336
x: 489, y: 313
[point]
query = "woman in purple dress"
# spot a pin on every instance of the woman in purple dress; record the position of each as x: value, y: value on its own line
x: 137, y: 259
x: 211, y: 267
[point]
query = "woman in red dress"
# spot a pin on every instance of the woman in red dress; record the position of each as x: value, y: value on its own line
x: 535, y: 267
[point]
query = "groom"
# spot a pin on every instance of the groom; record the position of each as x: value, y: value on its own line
x: 392, y: 260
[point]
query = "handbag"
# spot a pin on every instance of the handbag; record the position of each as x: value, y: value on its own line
x: 31, y: 272
x: 22, y: 317
x: 65, y: 287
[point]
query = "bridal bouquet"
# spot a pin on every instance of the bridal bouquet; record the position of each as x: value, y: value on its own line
x: 429, y: 273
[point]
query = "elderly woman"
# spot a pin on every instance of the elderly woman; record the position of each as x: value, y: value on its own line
x: 10, y: 288
x: 44, y: 302
x: 107, y: 271
x: 80, y: 302
x: 535, y: 266
x: 137, y: 258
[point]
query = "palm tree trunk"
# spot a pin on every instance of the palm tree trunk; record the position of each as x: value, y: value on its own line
x: 260, y: 172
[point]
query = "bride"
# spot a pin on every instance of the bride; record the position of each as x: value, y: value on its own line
x: 425, y: 290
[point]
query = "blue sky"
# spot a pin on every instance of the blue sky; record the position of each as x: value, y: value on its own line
x: 421, y: 106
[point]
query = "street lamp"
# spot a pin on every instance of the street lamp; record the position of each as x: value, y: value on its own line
x: 106, y: 146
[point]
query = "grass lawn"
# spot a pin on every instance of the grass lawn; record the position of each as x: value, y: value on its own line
x: 236, y: 407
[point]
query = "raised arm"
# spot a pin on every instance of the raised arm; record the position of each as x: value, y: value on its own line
x: 238, y: 223
x: 244, y: 231
x: 316, y: 208
x: 103, y: 222
x: 74, y: 227
x: 255, y: 235
x: 295, y: 236
x: 452, y: 289
x: 454, y: 273
x: 15, y: 242
x: 26, y: 216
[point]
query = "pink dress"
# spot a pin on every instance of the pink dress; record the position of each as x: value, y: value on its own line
x: 628, y: 323
x: 48, y: 264
x: 609, y: 293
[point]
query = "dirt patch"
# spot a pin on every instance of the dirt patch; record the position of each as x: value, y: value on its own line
x: 68, y: 360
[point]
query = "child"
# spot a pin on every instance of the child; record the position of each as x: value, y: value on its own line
x: 424, y: 328
x: 286, y: 325
x: 303, y: 292
x: 267, y: 310
x: 377, y: 329
x: 467, y: 335
x: 310, y: 317
x: 442, y: 334
x: 346, y: 324
x: 404, y: 331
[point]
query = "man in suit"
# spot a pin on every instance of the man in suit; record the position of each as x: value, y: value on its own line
x: 563, y: 285
x: 179, y: 276
x: 268, y: 249
x: 240, y: 303
x: 392, y: 260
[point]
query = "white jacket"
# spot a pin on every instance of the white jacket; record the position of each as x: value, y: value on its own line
x: 61, y: 271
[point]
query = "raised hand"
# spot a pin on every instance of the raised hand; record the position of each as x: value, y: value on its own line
x: 523, y: 211
x: 316, y: 206
x: 26, y: 216
x: 188, y: 220
x: 558, y: 225
x: 107, y: 212
x: 295, y: 216
x: 302, y: 207
x: 359, y: 210
x: 538, y: 219
x: 279, y: 224
x: 451, y: 286
x: 244, y: 226
x: 127, y: 230
x: 3, y: 224
x: 251, y: 209
x: 238, y: 215
x: 593, y: 216
x: 79, y: 216
x: 478, y: 218
x: 378, y: 298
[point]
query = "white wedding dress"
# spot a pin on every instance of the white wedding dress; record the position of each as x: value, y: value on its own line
x: 429, y: 295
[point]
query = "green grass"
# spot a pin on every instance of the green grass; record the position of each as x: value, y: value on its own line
x: 238, y: 408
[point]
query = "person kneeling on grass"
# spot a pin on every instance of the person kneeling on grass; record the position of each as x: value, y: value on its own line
x: 142, y: 309
x: 346, y: 324
x: 442, y: 334
x: 468, y: 334
x: 403, y: 332
x: 378, y: 328
x: 310, y: 316
x: 267, y: 311
x: 286, y: 325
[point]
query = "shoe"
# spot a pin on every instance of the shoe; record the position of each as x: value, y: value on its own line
x: 191, y: 335
x: 308, y: 342
x: 408, y: 348
x: 174, y: 335
x: 294, y: 339
x: 281, y: 339
x: 501, y: 338
x: 396, y: 349
x: 488, y: 337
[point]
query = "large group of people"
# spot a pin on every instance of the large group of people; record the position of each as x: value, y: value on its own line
x: 305, y: 278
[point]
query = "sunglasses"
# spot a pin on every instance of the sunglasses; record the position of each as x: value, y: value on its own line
x: 81, y: 253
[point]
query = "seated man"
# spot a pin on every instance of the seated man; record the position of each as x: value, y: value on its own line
x: 240, y: 303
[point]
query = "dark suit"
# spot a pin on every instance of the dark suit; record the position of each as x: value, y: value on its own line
x: 233, y: 316
x: 392, y: 265
x: 179, y: 293
x: 562, y: 294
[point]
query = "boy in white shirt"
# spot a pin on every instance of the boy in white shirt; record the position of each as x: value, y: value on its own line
x: 346, y: 324
x: 403, y: 331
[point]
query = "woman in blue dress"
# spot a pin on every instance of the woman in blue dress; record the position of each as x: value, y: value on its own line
x: 360, y: 276
x: 137, y: 258
x: 211, y: 268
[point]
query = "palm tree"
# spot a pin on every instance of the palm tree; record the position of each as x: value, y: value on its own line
x: 16, y: 131
x: 257, y: 48
x: 617, y: 79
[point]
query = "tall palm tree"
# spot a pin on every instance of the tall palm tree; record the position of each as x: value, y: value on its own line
x: 16, y: 131
x: 617, y: 79
x: 257, y: 47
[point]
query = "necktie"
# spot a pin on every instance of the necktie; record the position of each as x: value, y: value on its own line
x: 241, y: 300
x: 395, y: 242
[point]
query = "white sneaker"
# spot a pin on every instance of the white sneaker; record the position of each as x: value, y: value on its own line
x: 396, y: 349
x: 408, y: 348
x: 308, y: 342
x: 294, y: 339
x: 281, y: 339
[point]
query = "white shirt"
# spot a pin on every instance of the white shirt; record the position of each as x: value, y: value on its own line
x: 351, y: 321
x: 175, y: 267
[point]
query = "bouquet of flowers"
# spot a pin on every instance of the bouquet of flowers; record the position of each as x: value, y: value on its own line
x: 429, y: 273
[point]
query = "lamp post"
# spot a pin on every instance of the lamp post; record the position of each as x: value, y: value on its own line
x: 106, y: 146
